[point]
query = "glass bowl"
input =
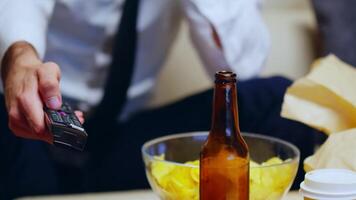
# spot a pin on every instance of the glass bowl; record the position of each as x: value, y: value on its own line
x: 172, y: 165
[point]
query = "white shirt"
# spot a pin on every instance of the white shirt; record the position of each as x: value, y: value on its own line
x: 77, y: 35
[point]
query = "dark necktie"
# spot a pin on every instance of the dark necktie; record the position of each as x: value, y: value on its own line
x: 121, y: 69
x: 101, y: 121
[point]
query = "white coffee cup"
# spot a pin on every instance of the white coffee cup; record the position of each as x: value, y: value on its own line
x: 329, y: 184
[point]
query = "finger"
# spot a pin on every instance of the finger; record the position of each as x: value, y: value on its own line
x: 80, y: 116
x: 23, y: 132
x: 20, y: 127
x: 35, y: 120
x: 18, y: 124
x: 48, y: 80
x: 78, y: 113
x: 81, y: 119
x: 31, y: 106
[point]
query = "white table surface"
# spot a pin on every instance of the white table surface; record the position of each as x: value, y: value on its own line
x: 129, y: 195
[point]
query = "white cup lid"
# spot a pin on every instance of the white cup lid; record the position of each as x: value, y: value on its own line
x: 329, y: 184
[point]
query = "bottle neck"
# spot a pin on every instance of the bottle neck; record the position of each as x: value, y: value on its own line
x: 225, y: 121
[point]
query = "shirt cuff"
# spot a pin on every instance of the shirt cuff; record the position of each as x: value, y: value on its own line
x: 24, y: 21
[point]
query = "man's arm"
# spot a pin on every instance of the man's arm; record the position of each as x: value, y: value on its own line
x: 24, y: 21
x: 228, y: 35
x: 29, y: 84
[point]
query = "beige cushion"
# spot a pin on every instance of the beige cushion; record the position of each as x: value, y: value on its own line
x: 292, y: 31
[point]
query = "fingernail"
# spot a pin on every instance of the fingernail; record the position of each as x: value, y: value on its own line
x: 53, y: 103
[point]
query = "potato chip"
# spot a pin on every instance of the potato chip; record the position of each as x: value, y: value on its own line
x: 179, y: 182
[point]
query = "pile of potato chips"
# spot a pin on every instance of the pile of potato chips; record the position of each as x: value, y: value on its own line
x: 268, y: 180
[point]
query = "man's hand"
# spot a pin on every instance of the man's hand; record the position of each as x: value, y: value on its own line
x: 28, y: 85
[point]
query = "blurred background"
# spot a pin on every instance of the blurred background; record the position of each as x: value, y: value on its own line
x: 292, y: 28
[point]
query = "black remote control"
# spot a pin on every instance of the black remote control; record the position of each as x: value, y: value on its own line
x: 66, y: 128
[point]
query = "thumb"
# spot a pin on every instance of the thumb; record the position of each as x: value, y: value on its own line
x: 48, y: 76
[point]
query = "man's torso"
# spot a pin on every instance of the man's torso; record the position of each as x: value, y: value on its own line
x: 80, y: 36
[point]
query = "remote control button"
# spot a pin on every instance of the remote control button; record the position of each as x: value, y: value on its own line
x: 56, y: 118
x: 66, y: 108
x: 52, y: 112
x: 67, y: 119
x: 76, y: 122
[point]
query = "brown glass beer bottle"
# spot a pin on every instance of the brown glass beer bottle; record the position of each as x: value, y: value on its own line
x: 224, y: 159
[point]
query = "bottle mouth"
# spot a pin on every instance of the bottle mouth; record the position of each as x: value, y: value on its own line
x: 225, y: 77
